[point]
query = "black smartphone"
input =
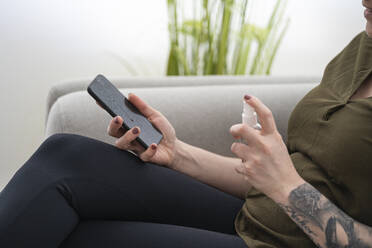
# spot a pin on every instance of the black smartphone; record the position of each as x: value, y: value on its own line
x: 115, y: 103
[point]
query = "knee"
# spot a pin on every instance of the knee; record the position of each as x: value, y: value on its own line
x: 60, y: 141
x: 59, y: 138
x: 73, y: 147
x: 62, y: 155
x: 47, y: 157
x: 64, y: 145
x: 63, y: 150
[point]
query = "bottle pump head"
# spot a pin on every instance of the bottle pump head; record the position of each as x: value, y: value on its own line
x: 249, y: 116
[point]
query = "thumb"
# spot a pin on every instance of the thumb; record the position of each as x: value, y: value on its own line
x: 149, y: 153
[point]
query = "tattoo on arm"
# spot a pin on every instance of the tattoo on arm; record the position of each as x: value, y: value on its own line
x: 322, y: 221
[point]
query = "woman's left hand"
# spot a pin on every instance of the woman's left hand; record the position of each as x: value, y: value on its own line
x: 266, y: 163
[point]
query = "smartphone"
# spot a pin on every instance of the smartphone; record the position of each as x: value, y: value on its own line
x: 115, y: 103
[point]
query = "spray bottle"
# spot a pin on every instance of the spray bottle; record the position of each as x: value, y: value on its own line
x: 249, y: 117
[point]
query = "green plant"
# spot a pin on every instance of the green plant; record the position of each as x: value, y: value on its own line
x: 208, y: 44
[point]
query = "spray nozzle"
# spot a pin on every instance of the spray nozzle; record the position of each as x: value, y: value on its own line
x: 249, y: 116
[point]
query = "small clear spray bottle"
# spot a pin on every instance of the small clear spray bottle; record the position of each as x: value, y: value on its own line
x: 249, y: 117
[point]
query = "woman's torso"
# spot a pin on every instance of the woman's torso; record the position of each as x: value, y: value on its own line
x: 330, y: 143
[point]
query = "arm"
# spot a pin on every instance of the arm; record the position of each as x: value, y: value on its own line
x: 210, y: 168
x: 215, y: 170
x: 321, y: 220
x: 269, y: 169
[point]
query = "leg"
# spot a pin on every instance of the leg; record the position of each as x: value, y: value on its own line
x: 72, y: 178
x: 129, y: 234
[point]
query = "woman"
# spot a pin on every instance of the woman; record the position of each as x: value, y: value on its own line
x: 314, y: 191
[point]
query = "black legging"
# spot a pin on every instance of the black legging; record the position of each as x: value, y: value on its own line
x: 79, y: 192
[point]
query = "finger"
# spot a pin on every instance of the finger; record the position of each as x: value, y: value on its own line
x: 114, y: 129
x: 264, y: 113
x: 133, y: 146
x: 241, y: 150
x: 245, y: 132
x: 241, y: 170
x: 128, y: 140
x: 143, y: 107
x: 149, y: 153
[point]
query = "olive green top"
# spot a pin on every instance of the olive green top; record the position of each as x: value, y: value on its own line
x: 330, y: 144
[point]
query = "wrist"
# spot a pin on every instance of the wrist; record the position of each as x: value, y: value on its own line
x: 178, y: 154
x: 284, y: 190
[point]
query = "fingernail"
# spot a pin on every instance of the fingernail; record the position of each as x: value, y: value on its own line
x: 117, y: 120
x: 153, y: 147
x: 135, y: 130
x: 247, y: 97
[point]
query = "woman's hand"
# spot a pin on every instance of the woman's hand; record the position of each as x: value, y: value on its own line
x: 162, y: 154
x: 266, y: 163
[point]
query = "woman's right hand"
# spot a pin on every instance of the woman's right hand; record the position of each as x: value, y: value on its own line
x: 162, y: 154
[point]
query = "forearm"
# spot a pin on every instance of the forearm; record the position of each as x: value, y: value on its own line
x: 321, y: 220
x: 210, y: 168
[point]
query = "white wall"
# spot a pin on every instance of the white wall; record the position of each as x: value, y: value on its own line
x: 43, y: 42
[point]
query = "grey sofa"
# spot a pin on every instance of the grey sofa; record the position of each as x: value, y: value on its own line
x: 201, y: 109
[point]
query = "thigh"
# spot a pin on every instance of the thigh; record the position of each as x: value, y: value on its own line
x: 109, y: 183
x: 101, y: 234
x: 99, y: 181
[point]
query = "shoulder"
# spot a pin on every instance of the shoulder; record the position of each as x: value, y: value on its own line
x: 346, y: 61
x: 350, y: 50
